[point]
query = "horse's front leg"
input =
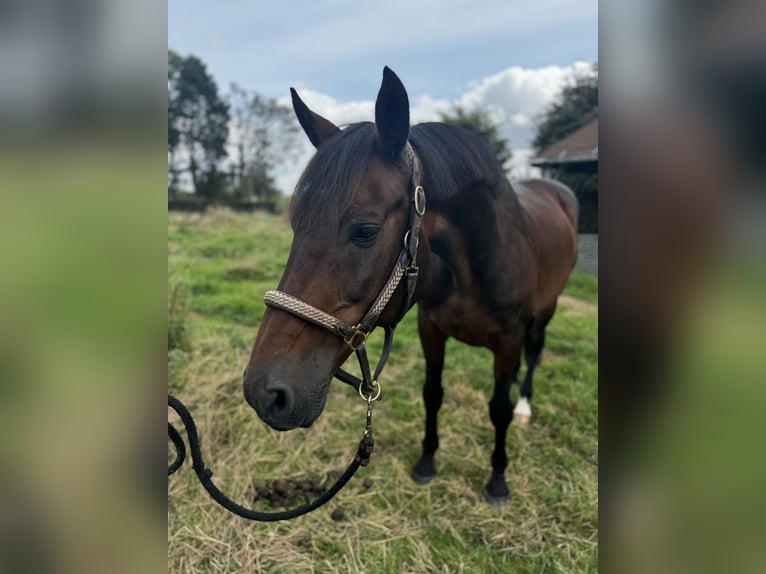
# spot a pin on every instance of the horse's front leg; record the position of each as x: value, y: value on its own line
x: 433, y: 342
x: 507, y: 359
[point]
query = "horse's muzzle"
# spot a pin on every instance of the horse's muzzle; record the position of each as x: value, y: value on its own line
x: 284, y: 401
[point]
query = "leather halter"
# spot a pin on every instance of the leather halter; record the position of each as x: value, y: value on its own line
x: 356, y: 336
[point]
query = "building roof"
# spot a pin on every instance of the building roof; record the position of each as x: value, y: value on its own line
x: 579, y: 146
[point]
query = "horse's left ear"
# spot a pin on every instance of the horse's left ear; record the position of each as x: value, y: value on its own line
x: 317, y: 128
x: 392, y: 114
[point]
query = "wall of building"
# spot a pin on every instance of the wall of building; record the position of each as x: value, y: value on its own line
x: 587, y: 253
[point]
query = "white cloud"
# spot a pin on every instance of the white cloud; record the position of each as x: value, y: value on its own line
x: 516, y: 97
x: 521, y: 120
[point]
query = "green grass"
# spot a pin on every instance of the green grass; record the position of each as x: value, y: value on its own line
x: 583, y: 286
x: 222, y: 264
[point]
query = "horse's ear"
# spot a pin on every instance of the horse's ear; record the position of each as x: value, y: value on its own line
x: 392, y: 114
x: 317, y: 128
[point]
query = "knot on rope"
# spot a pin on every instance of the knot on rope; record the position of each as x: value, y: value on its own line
x: 366, y: 446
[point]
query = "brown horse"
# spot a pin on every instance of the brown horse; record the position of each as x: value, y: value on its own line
x: 492, y: 259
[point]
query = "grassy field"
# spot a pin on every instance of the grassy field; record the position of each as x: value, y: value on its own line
x: 219, y: 266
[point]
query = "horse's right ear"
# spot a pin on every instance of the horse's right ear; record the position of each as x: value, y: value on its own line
x: 392, y: 114
x: 317, y: 128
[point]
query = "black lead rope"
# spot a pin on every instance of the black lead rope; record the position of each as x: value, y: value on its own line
x: 204, y: 474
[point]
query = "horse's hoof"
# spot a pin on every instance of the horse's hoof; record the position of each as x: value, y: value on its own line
x: 424, y: 470
x: 496, y: 501
x: 521, y: 420
x: 422, y: 479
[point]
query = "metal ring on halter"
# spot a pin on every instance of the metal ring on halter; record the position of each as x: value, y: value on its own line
x: 407, y: 240
x: 420, y: 200
x: 375, y: 386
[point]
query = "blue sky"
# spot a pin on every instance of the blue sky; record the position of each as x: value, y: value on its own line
x: 511, y: 57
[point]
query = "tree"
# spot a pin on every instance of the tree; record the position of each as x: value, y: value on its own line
x: 198, y: 124
x: 480, y: 122
x: 174, y: 69
x: 576, y: 106
x: 264, y: 136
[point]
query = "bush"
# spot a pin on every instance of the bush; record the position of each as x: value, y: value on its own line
x: 187, y: 202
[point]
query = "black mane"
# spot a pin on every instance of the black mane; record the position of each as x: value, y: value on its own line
x: 452, y: 160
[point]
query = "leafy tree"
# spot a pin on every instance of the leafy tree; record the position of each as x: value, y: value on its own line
x: 264, y: 135
x: 480, y: 122
x: 198, y: 123
x: 575, y: 107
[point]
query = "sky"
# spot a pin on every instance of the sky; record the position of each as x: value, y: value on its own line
x: 510, y: 57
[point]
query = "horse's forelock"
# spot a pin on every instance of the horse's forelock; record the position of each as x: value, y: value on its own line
x: 333, y: 176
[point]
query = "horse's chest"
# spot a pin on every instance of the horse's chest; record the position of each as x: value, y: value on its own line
x: 463, y: 318
x: 457, y: 305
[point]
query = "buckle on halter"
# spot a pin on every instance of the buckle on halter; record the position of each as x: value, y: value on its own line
x: 356, y: 339
x: 419, y: 199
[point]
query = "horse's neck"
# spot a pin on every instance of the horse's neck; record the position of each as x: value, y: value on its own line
x: 477, y: 215
x: 467, y: 245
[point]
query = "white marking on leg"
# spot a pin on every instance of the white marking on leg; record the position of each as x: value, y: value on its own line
x: 522, y: 413
x: 523, y: 408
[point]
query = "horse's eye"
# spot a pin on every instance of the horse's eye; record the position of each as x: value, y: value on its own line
x: 365, y: 234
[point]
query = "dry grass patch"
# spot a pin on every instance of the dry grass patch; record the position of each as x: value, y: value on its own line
x: 577, y: 307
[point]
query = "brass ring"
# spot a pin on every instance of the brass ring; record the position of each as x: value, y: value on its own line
x: 420, y: 200
x: 375, y: 385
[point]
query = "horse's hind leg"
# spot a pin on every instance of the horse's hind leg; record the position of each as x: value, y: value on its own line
x: 433, y: 341
x: 507, y: 360
x: 533, y: 346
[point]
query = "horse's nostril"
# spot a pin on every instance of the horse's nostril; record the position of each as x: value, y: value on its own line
x: 279, y: 405
x: 280, y: 399
x: 273, y: 400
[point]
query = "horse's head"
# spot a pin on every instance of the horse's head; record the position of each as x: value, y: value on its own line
x: 349, y: 215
